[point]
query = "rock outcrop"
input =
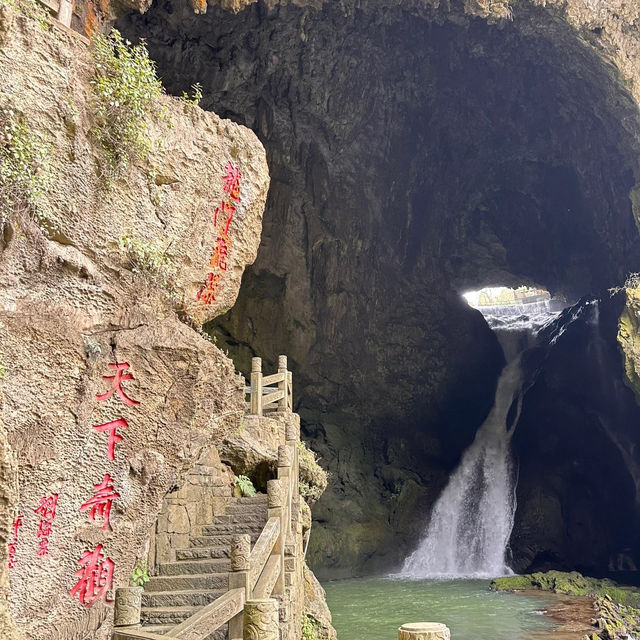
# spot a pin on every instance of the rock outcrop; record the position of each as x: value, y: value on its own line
x: 107, y: 390
x: 417, y: 149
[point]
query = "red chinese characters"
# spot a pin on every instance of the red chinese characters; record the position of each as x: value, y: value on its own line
x: 222, y: 218
x: 100, y: 505
x: 116, y: 384
x: 95, y: 578
x: 47, y: 512
x: 13, y: 545
x: 113, y: 436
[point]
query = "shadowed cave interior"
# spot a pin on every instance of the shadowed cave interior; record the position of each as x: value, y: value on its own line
x: 414, y: 156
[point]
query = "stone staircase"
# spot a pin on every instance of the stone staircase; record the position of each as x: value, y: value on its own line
x: 200, y: 573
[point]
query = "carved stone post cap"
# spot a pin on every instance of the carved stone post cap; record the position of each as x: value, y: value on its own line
x: 282, y: 362
x: 424, y: 631
x: 275, y: 494
x: 261, y: 619
x: 240, y: 552
x: 292, y: 431
x: 256, y: 365
x: 128, y: 603
x: 285, y: 456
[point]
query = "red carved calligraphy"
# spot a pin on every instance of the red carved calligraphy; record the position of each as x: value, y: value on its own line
x: 95, y: 578
x: 231, y: 182
x: 116, y: 384
x: 113, y: 436
x: 100, y: 505
x: 222, y: 219
x: 13, y: 545
x: 47, y: 512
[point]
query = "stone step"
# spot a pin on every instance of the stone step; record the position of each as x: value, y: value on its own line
x: 233, y: 529
x: 163, y: 629
x: 188, y: 563
x: 258, y: 498
x: 246, y: 509
x: 159, y: 629
x: 252, y: 517
x: 218, y: 542
x: 166, y: 615
x: 203, y: 553
x: 185, y: 598
x: 188, y: 581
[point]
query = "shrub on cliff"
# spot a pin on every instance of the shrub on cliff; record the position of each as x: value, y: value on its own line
x: 126, y: 90
x: 313, y: 478
x: 25, y: 166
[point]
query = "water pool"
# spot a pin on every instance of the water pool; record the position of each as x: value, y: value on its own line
x: 374, y: 608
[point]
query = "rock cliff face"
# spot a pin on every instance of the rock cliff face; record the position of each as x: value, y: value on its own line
x: 576, y: 441
x: 416, y: 149
x: 81, y: 315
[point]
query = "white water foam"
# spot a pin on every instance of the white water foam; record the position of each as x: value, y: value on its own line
x: 471, y: 522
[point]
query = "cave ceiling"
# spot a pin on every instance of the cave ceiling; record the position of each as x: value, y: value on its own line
x: 413, y: 155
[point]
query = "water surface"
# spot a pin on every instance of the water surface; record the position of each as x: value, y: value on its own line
x: 374, y: 608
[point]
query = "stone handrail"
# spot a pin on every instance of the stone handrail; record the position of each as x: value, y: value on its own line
x: 265, y: 396
x: 256, y: 574
x: 263, y: 549
x: 198, y: 626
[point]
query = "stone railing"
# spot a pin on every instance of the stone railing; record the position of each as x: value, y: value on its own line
x: 270, y: 392
x: 259, y: 575
x: 61, y: 10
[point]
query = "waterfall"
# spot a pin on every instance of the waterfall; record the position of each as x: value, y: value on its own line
x: 471, y: 521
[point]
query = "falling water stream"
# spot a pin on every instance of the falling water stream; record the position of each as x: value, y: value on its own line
x: 470, y: 524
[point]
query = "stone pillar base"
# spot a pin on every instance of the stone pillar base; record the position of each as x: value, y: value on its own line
x: 424, y: 631
x: 127, y: 606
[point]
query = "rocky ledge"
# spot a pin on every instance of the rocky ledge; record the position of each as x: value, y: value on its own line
x: 616, y: 607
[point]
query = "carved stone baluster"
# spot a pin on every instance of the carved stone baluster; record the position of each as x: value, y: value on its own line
x: 261, y: 621
x: 239, y: 578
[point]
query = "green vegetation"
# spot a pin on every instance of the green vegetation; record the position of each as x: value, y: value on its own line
x: 31, y: 9
x: 572, y: 583
x: 150, y: 260
x: 313, y: 478
x: 25, y: 166
x: 246, y: 486
x: 140, y: 575
x: 309, y: 628
x: 126, y: 90
x: 196, y: 95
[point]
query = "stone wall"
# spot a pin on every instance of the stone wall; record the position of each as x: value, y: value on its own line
x: 205, y: 492
x: 74, y: 311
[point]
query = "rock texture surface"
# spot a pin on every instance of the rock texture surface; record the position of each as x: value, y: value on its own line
x: 417, y: 149
x: 71, y: 305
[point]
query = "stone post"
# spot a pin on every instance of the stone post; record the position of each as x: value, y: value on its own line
x: 275, y: 503
x: 261, y: 620
x: 239, y: 578
x: 283, y: 385
x: 65, y: 11
x: 424, y: 631
x: 292, y: 438
x: 285, y: 463
x: 126, y: 610
x: 256, y: 386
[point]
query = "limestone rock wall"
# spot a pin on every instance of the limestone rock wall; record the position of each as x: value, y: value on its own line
x: 73, y: 310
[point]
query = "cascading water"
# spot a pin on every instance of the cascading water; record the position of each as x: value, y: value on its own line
x: 471, y: 521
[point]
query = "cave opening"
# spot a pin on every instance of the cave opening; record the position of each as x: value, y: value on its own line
x: 414, y: 154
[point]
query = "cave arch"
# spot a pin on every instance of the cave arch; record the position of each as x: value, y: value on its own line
x: 414, y: 153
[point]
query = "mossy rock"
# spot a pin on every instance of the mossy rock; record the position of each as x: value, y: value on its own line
x: 570, y: 583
